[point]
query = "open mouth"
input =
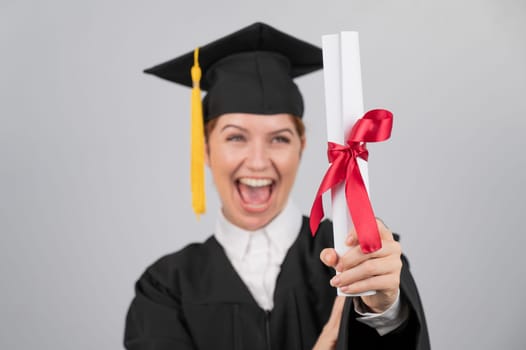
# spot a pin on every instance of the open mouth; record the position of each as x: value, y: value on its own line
x: 255, y: 193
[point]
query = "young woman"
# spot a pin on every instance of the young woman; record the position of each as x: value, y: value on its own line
x: 262, y: 281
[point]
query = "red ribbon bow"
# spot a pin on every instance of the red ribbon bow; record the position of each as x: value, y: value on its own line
x: 374, y: 126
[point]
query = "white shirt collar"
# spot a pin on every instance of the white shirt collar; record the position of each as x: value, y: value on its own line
x: 281, y: 231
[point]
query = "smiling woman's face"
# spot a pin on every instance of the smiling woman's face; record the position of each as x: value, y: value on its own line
x: 253, y: 160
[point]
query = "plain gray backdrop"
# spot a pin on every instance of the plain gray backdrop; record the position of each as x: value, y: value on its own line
x: 94, y: 154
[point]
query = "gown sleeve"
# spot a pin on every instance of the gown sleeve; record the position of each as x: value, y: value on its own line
x: 155, y: 320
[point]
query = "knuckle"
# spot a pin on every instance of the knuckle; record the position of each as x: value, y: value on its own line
x: 369, y: 268
x: 398, y: 247
x: 397, y: 280
x: 398, y: 265
x: 394, y: 281
x: 394, y: 248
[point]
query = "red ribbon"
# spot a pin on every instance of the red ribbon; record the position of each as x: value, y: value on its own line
x: 374, y: 126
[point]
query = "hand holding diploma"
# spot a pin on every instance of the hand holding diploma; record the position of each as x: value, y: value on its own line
x: 360, y: 272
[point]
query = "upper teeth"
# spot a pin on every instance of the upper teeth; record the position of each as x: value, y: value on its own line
x: 255, y: 182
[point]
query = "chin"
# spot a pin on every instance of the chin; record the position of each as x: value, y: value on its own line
x: 255, y: 221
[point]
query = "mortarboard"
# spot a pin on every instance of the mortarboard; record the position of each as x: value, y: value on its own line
x: 249, y: 71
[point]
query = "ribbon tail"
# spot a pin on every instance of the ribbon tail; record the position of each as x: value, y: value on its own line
x: 333, y: 177
x: 316, y: 214
x: 361, y: 212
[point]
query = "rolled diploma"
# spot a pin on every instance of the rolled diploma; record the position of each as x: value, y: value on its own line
x: 343, y: 107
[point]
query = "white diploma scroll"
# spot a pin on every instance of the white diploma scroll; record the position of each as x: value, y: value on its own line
x: 343, y: 107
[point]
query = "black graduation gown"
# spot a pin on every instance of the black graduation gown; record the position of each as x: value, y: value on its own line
x: 194, y: 299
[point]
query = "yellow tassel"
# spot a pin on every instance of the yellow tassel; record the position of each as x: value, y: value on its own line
x: 197, y: 162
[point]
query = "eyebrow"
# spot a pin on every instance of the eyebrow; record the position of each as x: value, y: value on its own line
x: 289, y: 130
x: 282, y: 130
x: 233, y: 126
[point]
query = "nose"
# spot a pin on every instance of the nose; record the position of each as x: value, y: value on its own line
x: 258, y: 157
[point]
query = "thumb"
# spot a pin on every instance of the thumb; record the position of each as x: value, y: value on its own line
x: 329, y: 257
x: 336, y: 313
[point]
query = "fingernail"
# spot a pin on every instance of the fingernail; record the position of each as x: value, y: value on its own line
x: 335, y: 281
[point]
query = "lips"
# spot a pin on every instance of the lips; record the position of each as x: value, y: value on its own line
x: 255, y: 192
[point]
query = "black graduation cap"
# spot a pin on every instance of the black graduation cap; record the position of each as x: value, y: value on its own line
x: 248, y: 71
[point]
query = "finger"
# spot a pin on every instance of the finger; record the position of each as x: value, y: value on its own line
x: 378, y: 283
x: 329, y: 257
x: 367, y: 269
x: 385, y: 232
x: 370, y: 268
x: 354, y: 256
x: 352, y: 238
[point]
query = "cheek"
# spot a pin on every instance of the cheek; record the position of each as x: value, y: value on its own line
x: 288, y: 162
x: 222, y: 163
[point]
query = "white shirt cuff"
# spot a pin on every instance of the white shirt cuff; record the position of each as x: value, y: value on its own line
x: 386, y: 321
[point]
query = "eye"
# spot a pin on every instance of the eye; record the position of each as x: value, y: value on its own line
x: 235, y: 138
x: 280, y: 139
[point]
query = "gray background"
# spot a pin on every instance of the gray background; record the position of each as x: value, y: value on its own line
x: 94, y: 154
